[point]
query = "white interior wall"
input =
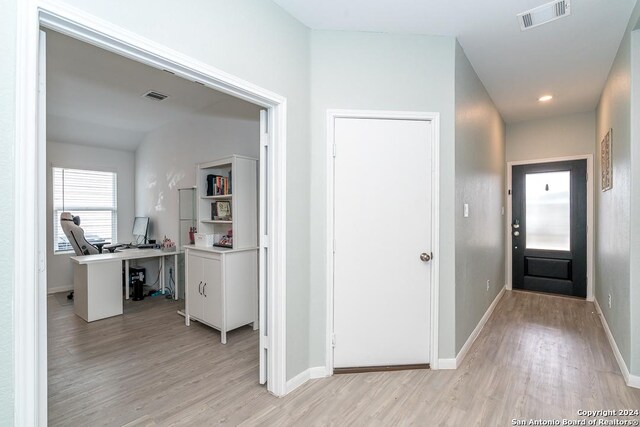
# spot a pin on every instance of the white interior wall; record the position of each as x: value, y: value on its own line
x: 59, y: 268
x: 560, y: 136
x: 166, y: 159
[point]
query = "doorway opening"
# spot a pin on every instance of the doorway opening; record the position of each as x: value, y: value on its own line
x: 550, y: 213
x: 31, y: 349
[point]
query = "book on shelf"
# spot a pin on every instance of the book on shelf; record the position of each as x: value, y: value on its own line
x: 218, y: 185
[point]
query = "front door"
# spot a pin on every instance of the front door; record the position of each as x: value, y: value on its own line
x: 382, y: 229
x: 549, y: 227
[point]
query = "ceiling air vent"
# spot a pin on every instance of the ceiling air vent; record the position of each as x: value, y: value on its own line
x: 543, y: 14
x: 155, y: 96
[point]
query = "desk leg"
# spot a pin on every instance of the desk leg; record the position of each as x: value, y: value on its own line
x: 126, y: 279
x: 176, y: 276
x: 162, y: 274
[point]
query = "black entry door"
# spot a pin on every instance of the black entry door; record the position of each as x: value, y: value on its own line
x: 549, y: 228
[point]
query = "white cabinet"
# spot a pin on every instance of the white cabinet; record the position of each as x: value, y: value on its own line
x: 221, y: 287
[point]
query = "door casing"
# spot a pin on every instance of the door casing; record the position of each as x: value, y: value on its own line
x: 434, y: 118
x: 590, y: 228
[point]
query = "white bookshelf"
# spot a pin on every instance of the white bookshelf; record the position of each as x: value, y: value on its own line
x: 243, y: 196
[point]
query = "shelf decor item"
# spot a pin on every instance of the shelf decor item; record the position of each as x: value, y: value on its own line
x: 221, y: 211
x: 606, y: 161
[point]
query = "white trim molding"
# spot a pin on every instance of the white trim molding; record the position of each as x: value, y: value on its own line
x: 306, y: 375
x: 457, y: 361
x: 30, y: 335
x: 630, y: 380
x: 434, y: 118
x: 474, y: 335
x: 590, y: 210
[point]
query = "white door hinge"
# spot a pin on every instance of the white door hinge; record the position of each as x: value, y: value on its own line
x: 333, y: 340
x: 334, y: 246
x: 334, y: 150
x: 264, y: 241
x: 265, y: 342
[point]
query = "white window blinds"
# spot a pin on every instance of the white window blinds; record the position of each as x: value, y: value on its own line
x: 92, y: 195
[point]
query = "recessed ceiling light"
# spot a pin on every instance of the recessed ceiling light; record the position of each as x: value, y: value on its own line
x: 545, y: 98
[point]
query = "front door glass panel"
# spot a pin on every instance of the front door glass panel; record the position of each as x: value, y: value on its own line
x: 548, y: 212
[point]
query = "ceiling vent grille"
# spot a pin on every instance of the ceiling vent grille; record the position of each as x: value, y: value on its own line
x: 155, y: 96
x: 543, y: 14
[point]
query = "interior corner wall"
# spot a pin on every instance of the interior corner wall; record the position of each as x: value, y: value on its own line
x: 59, y: 267
x: 8, y: 23
x: 613, y: 207
x: 557, y: 136
x: 479, y: 178
x: 257, y: 41
x: 374, y: 71
x: 166, y: 161
x: 634, y: 279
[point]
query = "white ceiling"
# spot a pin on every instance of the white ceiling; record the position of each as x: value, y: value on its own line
x: 569, y: 58
x: 94, y: 97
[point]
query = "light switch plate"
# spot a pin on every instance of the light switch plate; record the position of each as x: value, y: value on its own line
x: 466, y: 210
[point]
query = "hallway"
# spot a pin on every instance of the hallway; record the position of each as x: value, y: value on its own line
x: 538, y: 356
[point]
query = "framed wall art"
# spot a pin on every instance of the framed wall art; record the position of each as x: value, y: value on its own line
x: 606, y: 162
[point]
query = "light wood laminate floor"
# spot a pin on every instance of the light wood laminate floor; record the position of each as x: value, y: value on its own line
x: 538, y: 357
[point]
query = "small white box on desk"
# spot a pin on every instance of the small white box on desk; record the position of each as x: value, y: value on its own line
x: 204, y: 240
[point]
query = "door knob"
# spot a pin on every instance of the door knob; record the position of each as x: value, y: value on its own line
x: 425, y: 257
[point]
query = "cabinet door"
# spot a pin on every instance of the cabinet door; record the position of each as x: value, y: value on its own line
x: 195, y: 281
x: 212, y: 293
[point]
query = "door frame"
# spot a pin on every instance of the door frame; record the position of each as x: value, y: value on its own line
x: 590, y: 228
x: 30, y: 322
x: 434, y: 118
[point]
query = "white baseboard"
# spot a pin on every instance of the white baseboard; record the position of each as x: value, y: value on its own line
x: 472, y: 338
x: 455, y: 363
x: 60, y: 288
x: 317, y: 372
x: 304, y: 376
x: 630, y: 380
x: 446, y: 363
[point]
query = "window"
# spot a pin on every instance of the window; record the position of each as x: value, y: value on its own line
x: 548, y: 204
x: 92, y: 195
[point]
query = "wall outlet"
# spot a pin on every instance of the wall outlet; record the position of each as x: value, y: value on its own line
x: 488, y: 284
x: 609, y: 300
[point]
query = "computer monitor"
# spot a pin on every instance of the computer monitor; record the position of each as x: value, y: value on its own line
x: 140, y: 228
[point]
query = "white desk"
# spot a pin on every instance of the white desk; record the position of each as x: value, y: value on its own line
x: 97, y: 281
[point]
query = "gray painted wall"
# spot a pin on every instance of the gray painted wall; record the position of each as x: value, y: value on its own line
x: 166, y: 159
x: 559, y: 136
x: 635, y: 205
x: 257, y: 41
x: 372, y: 71
x: 479, y: 166
x: 7, y: 141
x: 59, y: 267
x: 613, y: 208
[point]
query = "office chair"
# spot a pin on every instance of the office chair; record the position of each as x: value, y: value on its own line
x: 75, y: 234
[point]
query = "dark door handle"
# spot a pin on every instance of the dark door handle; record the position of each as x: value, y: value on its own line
x: 203, y: 288
x: 200, y: 284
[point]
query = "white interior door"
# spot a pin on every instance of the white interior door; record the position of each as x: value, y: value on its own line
x: 382, y: 225
x: 263, y: 234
